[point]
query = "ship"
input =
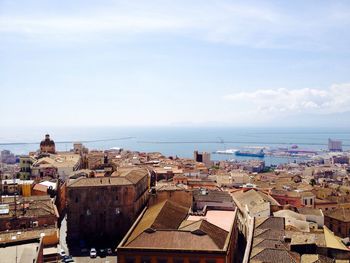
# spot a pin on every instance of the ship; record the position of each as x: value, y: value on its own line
x: 228, y: 151
x: 259, y: 153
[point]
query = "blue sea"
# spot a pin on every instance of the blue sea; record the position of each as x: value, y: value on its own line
x: 176, y: 141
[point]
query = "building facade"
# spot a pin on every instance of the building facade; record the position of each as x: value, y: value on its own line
x: 338, y: 221
x: 47, y: 145
x: 335, y: 145
x: 104, y: 208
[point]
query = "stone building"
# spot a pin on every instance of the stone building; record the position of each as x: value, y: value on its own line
x: 47, y: 145
x: 103, y: 208
x: 203, y: 157
x: 96, y: 160
x: 338, y: 221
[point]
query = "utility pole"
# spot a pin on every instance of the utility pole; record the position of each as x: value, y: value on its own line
x: 15, y: 204
x: 1, y: 182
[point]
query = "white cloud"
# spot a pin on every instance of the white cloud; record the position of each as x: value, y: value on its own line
x: 335, y: 99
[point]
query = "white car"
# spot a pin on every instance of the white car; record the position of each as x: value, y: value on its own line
x: 62, y: 253
x: 93, y: 253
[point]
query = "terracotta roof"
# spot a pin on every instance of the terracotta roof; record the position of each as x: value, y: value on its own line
x: 315, y: 258
x: 97, y: 182
x: 163, y: 226
x: 34, y: 207
x: 203, y: 227
x: 133, y: 175
x: 251, y: 198
x: 276, y: 223
x: 165, y: 215
x: 199, y: 235
x: 274, y: 255
x: 341, y: 214
x: 211, y: 196
x: 268, y: 244
x: 128, y: 177
x: 269, y: 234
x: 173, y: 239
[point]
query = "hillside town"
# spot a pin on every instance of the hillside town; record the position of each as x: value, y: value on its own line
x: 118, y: 205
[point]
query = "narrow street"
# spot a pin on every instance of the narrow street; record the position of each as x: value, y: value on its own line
x: 76, y: 253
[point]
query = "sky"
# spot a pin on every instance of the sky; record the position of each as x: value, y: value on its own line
x: 174, y: 63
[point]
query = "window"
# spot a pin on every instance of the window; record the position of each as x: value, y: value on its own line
x: 194, y: 260
x: 311, y: 201
x: 162, y: 260
x: 178, y: 260
x: 76, y: 199
x: 145, y: 259
x: 210, y: 261
x: 305, y: 202
x: 130, y: 260
x: 117, y: 211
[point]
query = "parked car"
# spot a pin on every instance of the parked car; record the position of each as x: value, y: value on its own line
x: 109, y: 251
x: 102, y: 252
x: 93, y: 253
x: 69, y: 260
x: 64, y: 257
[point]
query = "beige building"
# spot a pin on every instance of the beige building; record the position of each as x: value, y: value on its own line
x: 61, y: 165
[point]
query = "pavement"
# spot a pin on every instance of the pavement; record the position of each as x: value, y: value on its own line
x: 109, y: 259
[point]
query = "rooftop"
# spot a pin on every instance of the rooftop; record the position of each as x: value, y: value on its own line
x: 22, y: 253
x: 204, y: 195
x: 310, y: 211
x: 33, y: 206
x: 220, y: 218
x: 124, y: 177
x: 167, y: 226
x: 28, y: 234
x: 341, y: 214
